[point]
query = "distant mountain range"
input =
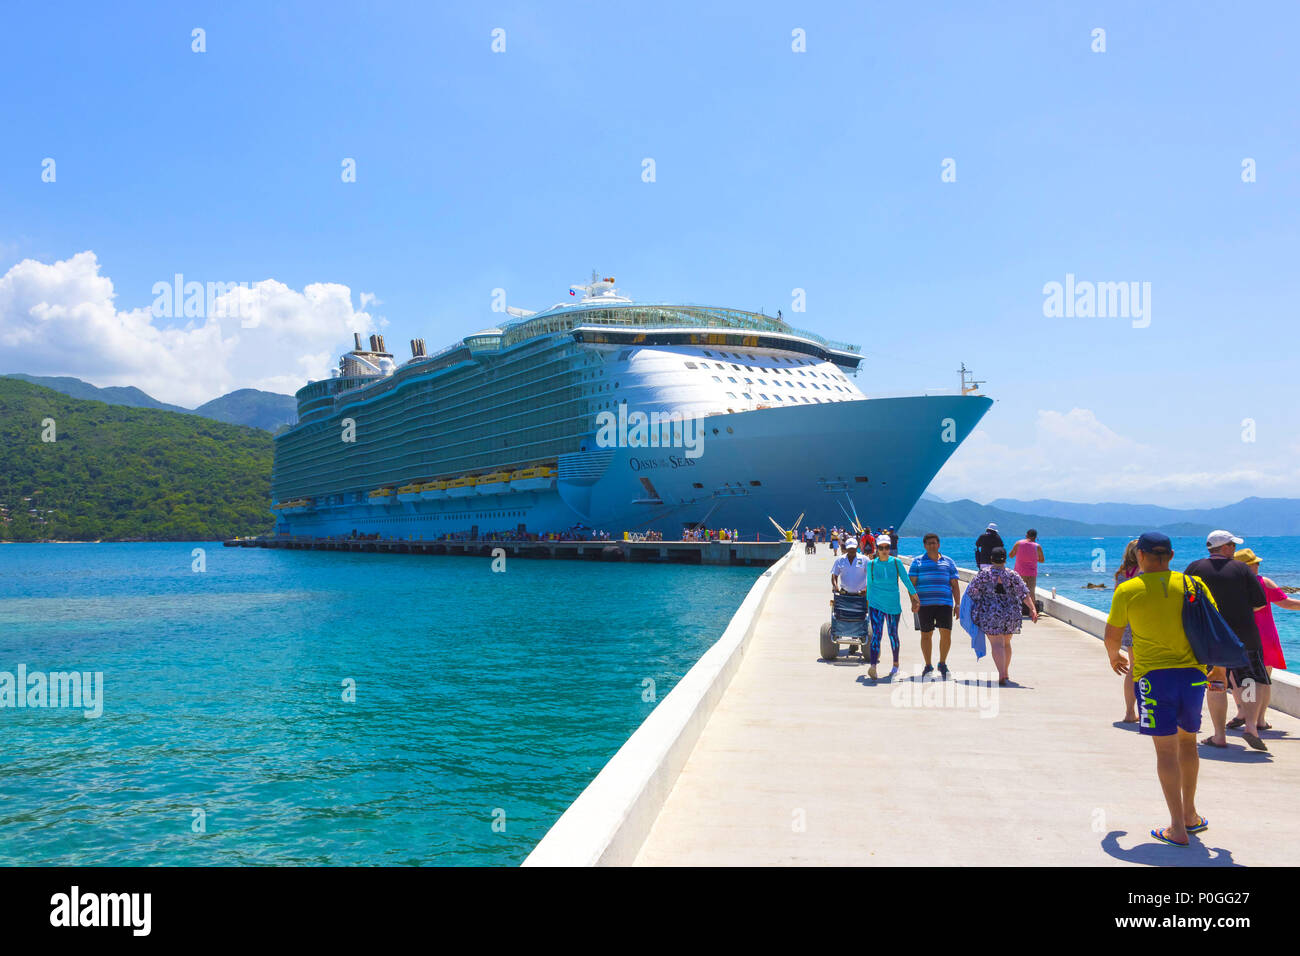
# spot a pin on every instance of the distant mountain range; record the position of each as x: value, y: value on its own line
x: 966, y: 518
x: 245, y: 406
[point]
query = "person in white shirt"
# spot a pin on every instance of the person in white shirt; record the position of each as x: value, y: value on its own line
x: 849, y: 573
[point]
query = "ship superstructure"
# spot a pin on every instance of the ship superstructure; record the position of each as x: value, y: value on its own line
x: 502, y: 431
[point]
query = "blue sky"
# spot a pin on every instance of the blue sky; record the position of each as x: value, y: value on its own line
x: 775, y: 170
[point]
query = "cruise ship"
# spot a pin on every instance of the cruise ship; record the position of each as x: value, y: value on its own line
x: 538, y: 426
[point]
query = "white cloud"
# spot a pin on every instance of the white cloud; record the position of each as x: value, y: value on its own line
x: 60, y: 319
x: 1074, y: 456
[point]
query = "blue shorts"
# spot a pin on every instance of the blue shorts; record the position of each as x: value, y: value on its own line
x: 1170, y: 700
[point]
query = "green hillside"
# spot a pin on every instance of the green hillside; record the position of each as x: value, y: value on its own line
x: 119, y: 473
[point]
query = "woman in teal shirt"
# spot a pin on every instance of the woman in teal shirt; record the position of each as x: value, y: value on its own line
x: 884, y: 572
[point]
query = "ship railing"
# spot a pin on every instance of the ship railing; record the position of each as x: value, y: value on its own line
x: 660, y: 315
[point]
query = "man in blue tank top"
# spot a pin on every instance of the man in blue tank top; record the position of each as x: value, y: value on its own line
x: 936, y: 580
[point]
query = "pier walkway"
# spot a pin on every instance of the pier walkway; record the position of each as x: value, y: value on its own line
x: 804, y: 761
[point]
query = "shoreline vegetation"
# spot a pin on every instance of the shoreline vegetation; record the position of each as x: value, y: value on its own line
x: 74, y: 470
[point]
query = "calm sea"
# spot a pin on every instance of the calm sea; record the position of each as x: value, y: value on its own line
x: 1074, y: 562
x: 484, y: 702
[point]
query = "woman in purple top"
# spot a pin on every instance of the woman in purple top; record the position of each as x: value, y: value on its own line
x: 1126, y: 570
x: 996, y: 596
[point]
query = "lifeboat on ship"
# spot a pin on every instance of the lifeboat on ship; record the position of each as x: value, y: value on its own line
x: 433, y: 490
x: 497, y: 483
x: 540, y: 478
x: 461, y: 487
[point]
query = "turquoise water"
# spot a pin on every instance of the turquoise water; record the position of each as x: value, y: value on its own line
x: 481, y: 698
x: 1071, y: 564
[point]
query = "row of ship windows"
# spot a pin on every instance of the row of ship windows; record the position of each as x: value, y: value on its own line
x: 750, y: 381
x: 788, y: 383
x: 770, y: 371
x: 737, y: 357
x: 748, y: 396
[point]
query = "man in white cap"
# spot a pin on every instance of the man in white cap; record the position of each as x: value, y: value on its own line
x: 1238, y: 595
x: 985, y: 544
x: 849, y: 572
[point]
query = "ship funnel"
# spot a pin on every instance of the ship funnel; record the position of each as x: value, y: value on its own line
x: 417, y: 348
x: 356, y: 337
x: 374, y: 343
x: 381, y: 344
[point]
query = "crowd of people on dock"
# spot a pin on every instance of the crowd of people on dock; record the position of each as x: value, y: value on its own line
x: 580, y: 533
x: 702, y: 533
x: 991, y: 610
x: 1181, y: 641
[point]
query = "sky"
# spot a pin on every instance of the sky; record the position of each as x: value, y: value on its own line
x: 921, y: 172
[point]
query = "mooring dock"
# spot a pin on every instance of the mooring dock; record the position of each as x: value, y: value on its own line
x: 673, y: 552
x: 772, y: 756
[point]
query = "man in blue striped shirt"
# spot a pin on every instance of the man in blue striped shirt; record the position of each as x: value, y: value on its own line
x: 936, y: 580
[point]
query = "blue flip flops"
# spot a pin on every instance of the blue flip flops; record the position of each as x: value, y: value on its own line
x: 1160, y: 835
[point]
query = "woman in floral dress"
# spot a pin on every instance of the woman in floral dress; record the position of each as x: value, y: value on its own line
x: 996, y: 596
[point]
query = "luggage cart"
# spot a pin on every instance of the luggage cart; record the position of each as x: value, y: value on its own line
x: 849, y: 625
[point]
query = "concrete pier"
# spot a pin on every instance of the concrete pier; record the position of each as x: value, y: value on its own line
x: 807, y: 762
x: 758, y: 553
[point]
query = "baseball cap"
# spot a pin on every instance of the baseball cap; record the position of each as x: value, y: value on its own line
x: 884, y: 541
x: 1153, y: 542
x: 1219, y: 538
x: 851, y: 543
x: 993, y: 526
x: 1247, y: 556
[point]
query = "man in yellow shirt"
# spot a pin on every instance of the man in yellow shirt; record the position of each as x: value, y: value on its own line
x: 1170, y: 680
